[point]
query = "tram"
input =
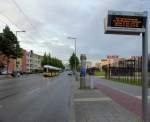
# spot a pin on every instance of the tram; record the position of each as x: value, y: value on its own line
x: 50, y: 71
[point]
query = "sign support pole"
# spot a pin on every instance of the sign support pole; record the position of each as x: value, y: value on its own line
x: 115, y: 23
x: 145, y: 73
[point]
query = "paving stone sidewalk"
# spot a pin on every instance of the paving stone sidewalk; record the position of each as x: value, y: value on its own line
x: 93, y: 106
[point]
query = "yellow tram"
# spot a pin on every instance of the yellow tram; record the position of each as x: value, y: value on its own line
x: 50, y: 71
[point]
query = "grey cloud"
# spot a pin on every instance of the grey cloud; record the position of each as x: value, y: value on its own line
x: 79, y: 18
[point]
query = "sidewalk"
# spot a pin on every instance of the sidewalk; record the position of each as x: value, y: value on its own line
x: 5, y: 77
x: 94, y: 106
x: 9, y: 77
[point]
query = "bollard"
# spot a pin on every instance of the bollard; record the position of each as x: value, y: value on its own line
x: 91, y: 83
x: 82, y: 82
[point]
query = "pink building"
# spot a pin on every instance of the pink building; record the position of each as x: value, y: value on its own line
x: 24, y: 61
x: 3, y: 63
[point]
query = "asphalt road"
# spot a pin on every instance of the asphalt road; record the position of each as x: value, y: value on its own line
x: 35, y: 99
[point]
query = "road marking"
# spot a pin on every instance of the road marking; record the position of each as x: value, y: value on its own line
x: 140, y: 97
x: 92, y: 99
x: 34, y: 90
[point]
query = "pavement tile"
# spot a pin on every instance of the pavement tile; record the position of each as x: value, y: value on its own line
x: 131, y: 103
x: 87, y: 110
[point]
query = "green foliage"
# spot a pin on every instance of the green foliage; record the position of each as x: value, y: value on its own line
x: 44, y: 61
x: 48, y: 60
x: 1, y: 66
x: 9, y: 46
x: 149, y: 65
x: 72, y: 61
x: 99, y: 73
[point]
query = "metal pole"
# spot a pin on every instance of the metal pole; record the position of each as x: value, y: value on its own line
x: 73, y: 38
x: 16, y: 53
x: 17, y: 49
x: 145, y: 73
x: 75, y: 57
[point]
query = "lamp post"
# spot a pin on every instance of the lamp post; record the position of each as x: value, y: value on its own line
x: 73, y: 38
x: 23, y: 31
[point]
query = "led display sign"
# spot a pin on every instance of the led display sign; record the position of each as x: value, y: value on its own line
x: 126, y: 21
x: 131, y: 23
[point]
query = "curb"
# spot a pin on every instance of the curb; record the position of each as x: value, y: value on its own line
x: 72, y: 111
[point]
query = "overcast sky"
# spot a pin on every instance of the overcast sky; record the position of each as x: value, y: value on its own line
x: 48, y: 23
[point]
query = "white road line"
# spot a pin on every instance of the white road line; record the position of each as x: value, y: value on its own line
x: 34, y: 90
x: 140, y: 97
x: 92, y: 99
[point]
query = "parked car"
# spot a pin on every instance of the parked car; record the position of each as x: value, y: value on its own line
x: 4, y: 72
x: 70, y: 73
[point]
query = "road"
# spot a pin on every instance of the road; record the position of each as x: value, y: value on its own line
x: 35, y: 99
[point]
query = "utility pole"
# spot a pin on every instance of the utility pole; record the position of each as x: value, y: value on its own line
x: 75, y: 39
x: 23, y: 31
x: 145, y: 72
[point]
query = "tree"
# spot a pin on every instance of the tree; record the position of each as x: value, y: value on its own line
x: 44, y: 60
x: 149, y: 65
x: 72, y: 61
x: 9, y: 46
x: 1, y: 66
x: 53, y: 61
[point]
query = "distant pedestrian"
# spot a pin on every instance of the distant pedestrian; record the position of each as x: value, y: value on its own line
x: 18, y: 74
x: 21, y: 73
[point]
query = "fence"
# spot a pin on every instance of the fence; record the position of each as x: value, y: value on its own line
x: 126, y: 71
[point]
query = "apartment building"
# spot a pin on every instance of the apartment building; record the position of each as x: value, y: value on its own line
x: 33, y: 61
x: 29, y: 62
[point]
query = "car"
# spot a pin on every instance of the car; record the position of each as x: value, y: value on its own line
x: 70, y: 73
x: 4, y: 72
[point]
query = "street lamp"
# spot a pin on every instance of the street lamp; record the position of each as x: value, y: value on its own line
x: 73, y: 38
x: 23, y: 31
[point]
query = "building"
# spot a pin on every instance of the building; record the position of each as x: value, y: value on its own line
x: 24, y: 61
x: 4, y: 63
x: 111, y: 61
x: 137, y: 61
x: 104, y: 62
x: 33, y: 61
x: 29, y: 62
x: 112, y: 56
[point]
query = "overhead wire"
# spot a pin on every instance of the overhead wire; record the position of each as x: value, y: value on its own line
x: 14, y: 24
x: 28, y: 19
